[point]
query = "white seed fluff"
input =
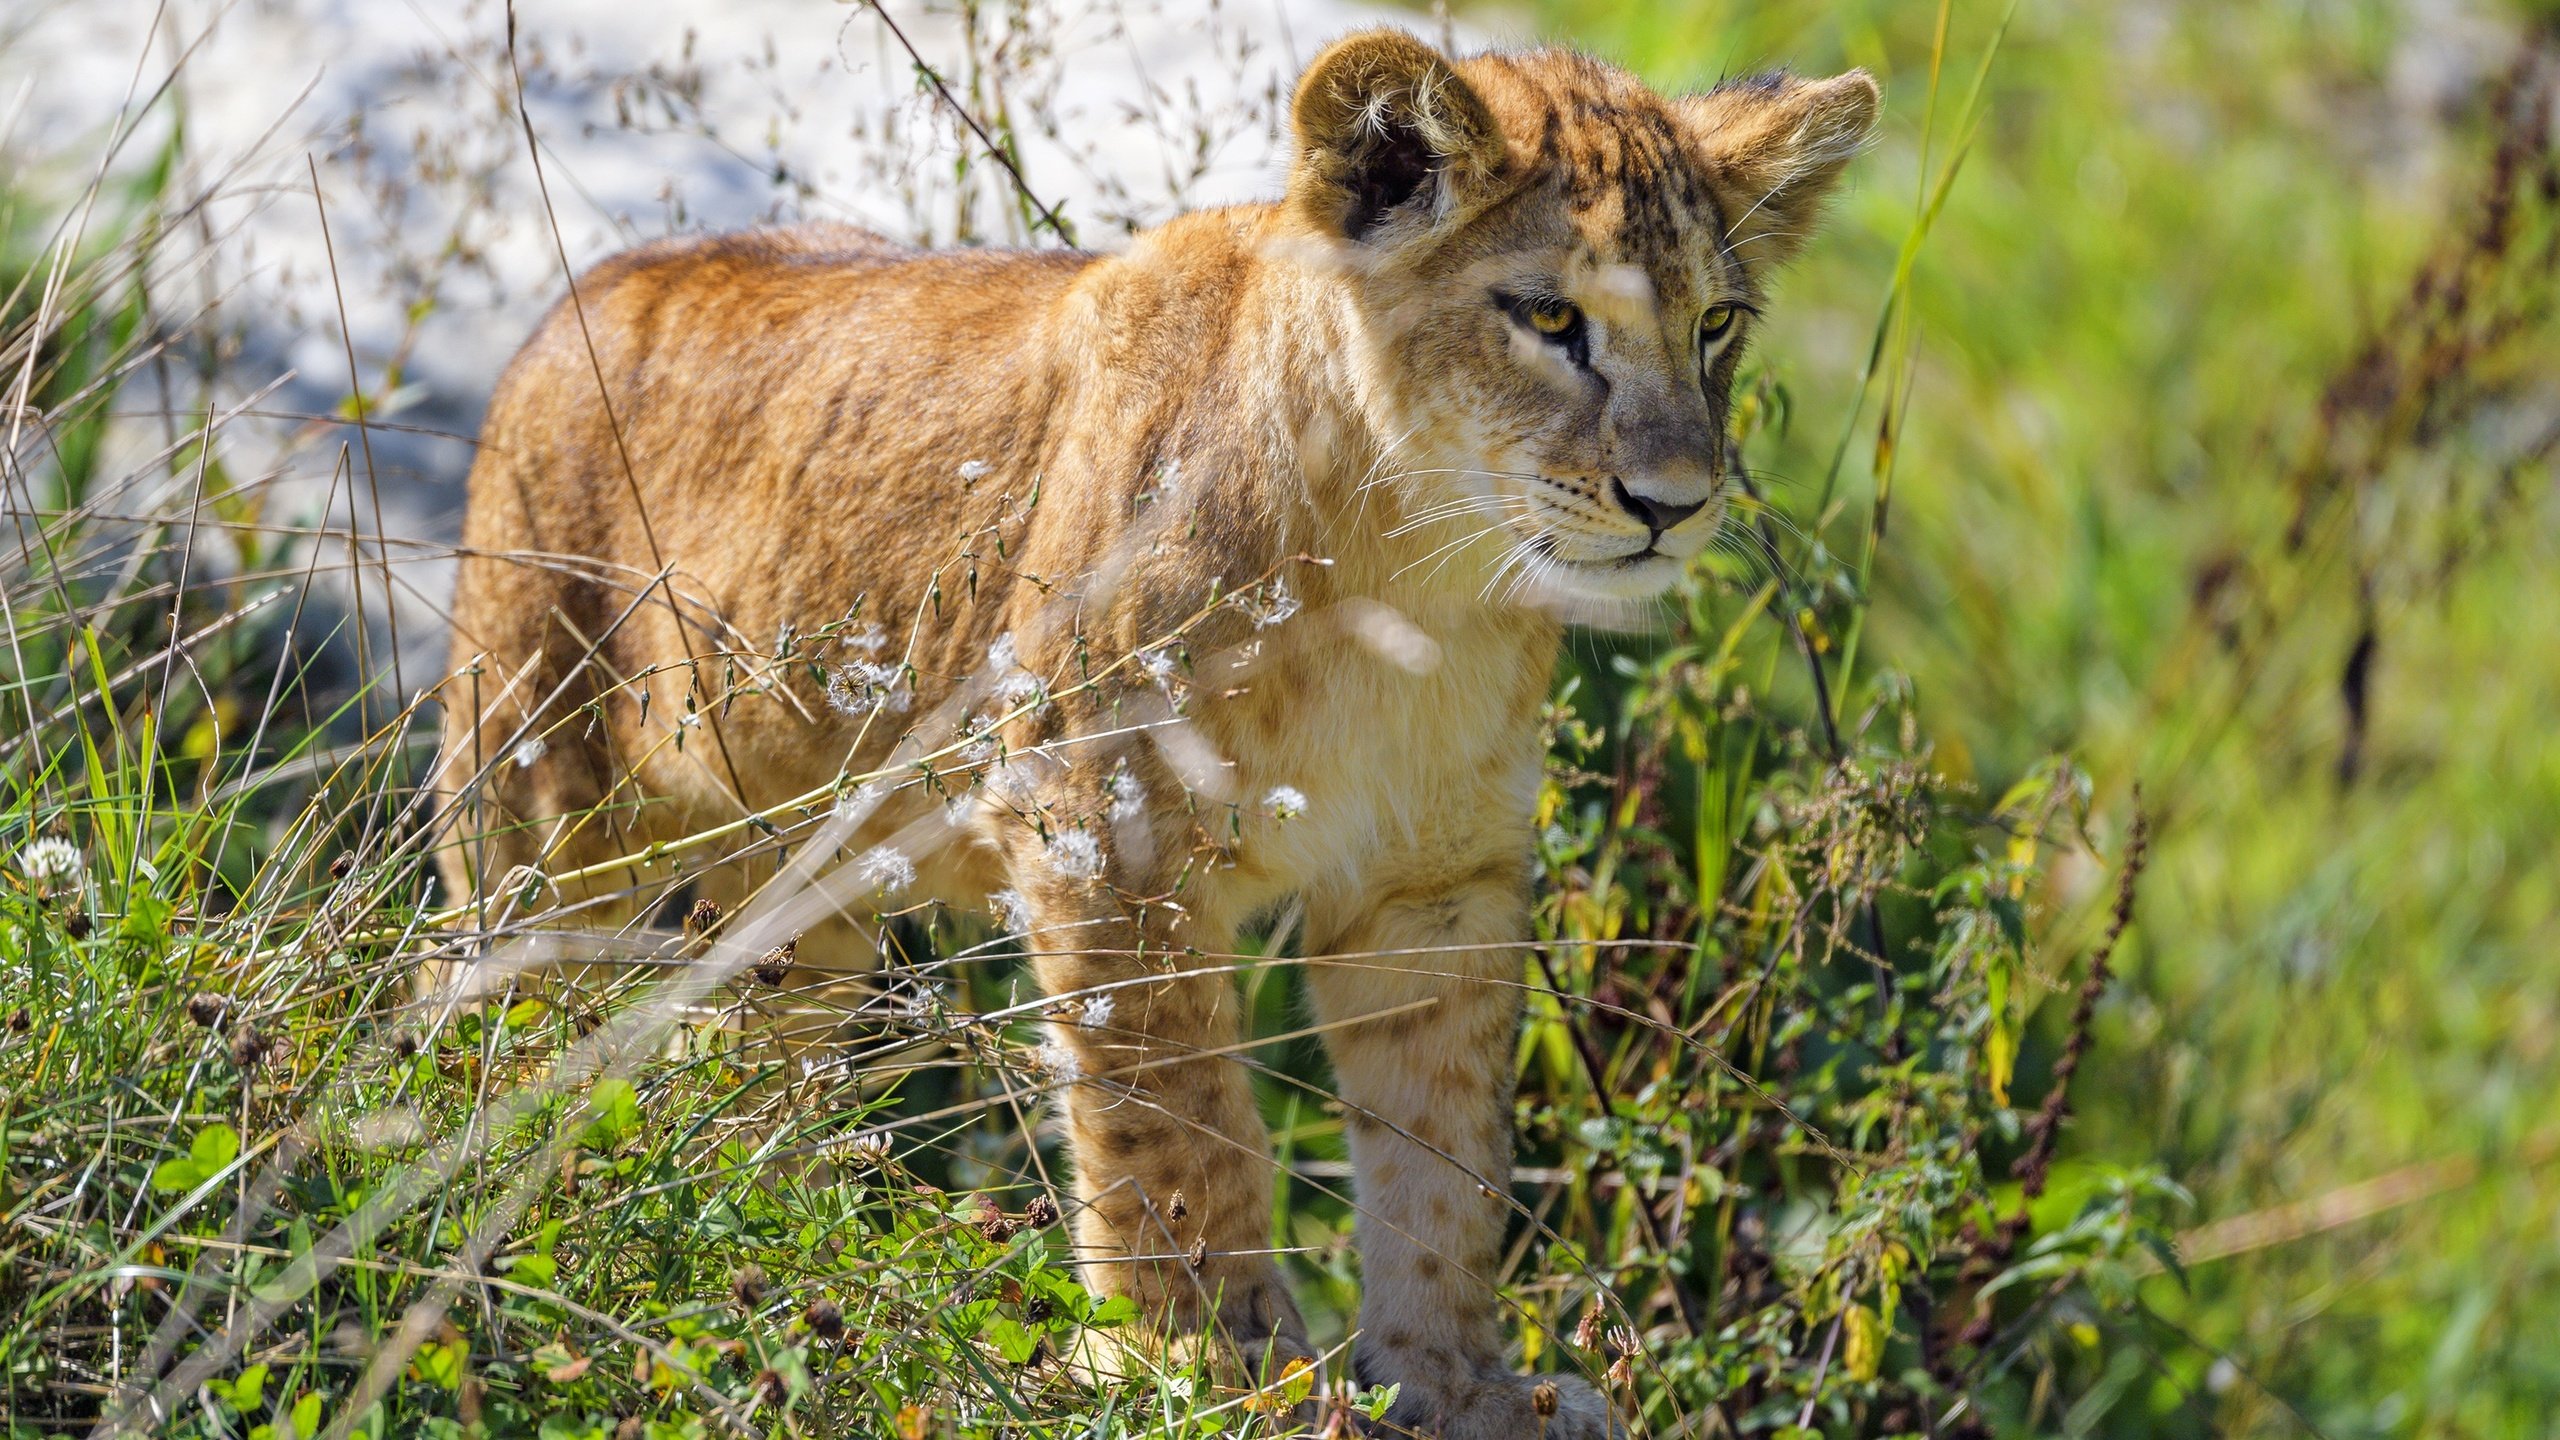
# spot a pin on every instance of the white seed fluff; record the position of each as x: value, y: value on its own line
x: 1280, y: 607
x: 866, y: 686
x: 855, y: 806
x: 1285, y: 802
x: 1097, y: 1010
x: 1011, y: 910
x: 528, y: 750
x: 1075, y: 854
x: 1058, y: 1061
x: 1128, y: 794
x: 885, y: 868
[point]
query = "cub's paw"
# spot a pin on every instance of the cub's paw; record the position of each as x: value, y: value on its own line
x: 1257, y: 1323
x: 1503, y: 1406
x: 1250, y: 1337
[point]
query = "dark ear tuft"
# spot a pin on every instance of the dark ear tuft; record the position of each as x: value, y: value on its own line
x: 1385, y: 126
x: 1776, y: 145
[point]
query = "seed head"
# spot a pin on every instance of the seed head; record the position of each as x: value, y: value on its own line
x: 747, y: 1286
x: 1199, y: 1256
x: 1176, y: 1207
x: 824, y: 1320
x: 703, y: 918
x: 206, y: 1008
x: 1587, y: 1334
x: 249, y: 1049
x: 1041, y: 1213
x: 993, y: 1223
x: 1544, y: 1399
x: 20, y: 1022
x: 776, y: 965
x: 343, y: 866
x: 770, y: 1389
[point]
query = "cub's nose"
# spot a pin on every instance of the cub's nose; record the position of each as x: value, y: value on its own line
x: 1655, y: 515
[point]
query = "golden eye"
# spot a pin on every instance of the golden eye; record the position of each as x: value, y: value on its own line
x: 1715, y: 322
x: 1553, y: 318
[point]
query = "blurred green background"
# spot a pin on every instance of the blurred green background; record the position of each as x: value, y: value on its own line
x: 2197, y: 481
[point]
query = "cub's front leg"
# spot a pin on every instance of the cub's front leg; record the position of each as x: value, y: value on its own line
x: 1418, y: 982
x: 1173, y: 1167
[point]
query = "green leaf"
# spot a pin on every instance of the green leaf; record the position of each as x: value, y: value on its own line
x: 250, y: 1388
x: 178, y: 1174
x: 305, y: 1418
x: 215, y: 1146
x: 613, y: 1111
x: 1012, y: 1340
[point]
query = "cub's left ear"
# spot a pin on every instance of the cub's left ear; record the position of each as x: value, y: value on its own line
x: 1387, y: 132
x: 1775, y: 145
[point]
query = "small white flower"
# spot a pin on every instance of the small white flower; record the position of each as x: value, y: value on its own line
x: 1074, y: 854
x: 1285, y: 802
x: 1156, y: 665
x: 50, y: 859
x: 1011, y: 910
x: 1097, y: 1010
x: 974, y: 470
x: 1056, y: 1059
x: 885, y: 868
x: 1128, y: 794
x: 528, y: 750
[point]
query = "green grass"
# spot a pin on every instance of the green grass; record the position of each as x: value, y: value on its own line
x: 1773, y: 1180
x: 2179, y: 230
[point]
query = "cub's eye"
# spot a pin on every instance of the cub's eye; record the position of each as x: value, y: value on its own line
x: 1716, y: 323
x: 1555, y: 319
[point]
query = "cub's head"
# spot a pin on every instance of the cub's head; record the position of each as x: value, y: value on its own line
x: 1551, y: 274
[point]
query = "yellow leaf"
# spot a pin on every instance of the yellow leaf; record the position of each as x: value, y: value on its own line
x: 1864, y: 1353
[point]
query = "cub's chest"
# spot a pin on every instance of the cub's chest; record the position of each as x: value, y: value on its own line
x: 1356, y: 738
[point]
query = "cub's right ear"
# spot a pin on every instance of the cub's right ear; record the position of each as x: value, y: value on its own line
x: 1387, y: 134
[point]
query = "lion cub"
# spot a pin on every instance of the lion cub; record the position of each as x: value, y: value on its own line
x: 1139, y: 595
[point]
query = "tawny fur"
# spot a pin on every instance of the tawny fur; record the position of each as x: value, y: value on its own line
x: 1323, y: 408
